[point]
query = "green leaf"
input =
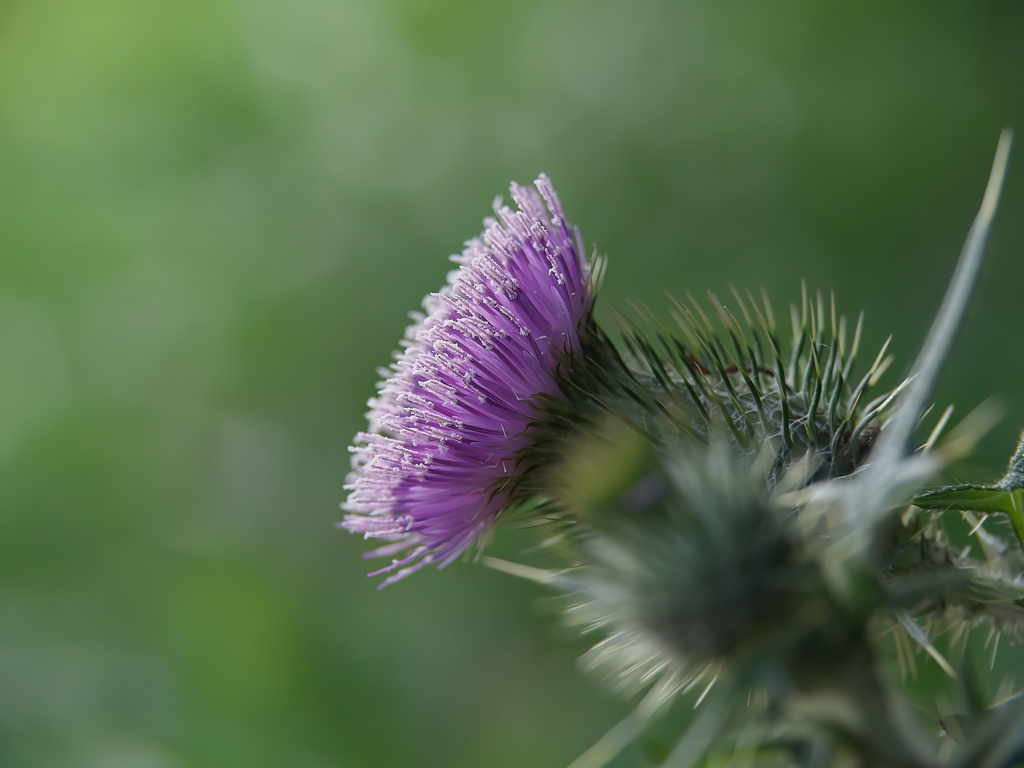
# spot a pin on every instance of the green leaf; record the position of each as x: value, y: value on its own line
x: 984, y: 499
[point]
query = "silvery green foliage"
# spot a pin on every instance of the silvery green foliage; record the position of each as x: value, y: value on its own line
x: 741, y: 518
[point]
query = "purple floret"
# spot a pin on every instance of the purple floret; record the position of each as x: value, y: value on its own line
x: 459, y: 406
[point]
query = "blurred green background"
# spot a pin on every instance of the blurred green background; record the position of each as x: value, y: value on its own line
x: 214, y: 217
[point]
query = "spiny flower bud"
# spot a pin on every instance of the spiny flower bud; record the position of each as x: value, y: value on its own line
x: 690, y: 546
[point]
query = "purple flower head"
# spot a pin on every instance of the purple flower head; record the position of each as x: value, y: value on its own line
x: 461, y: 402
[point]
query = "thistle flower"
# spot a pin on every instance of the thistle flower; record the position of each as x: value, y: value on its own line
x: 726, y: 507
x: 460, y: 405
